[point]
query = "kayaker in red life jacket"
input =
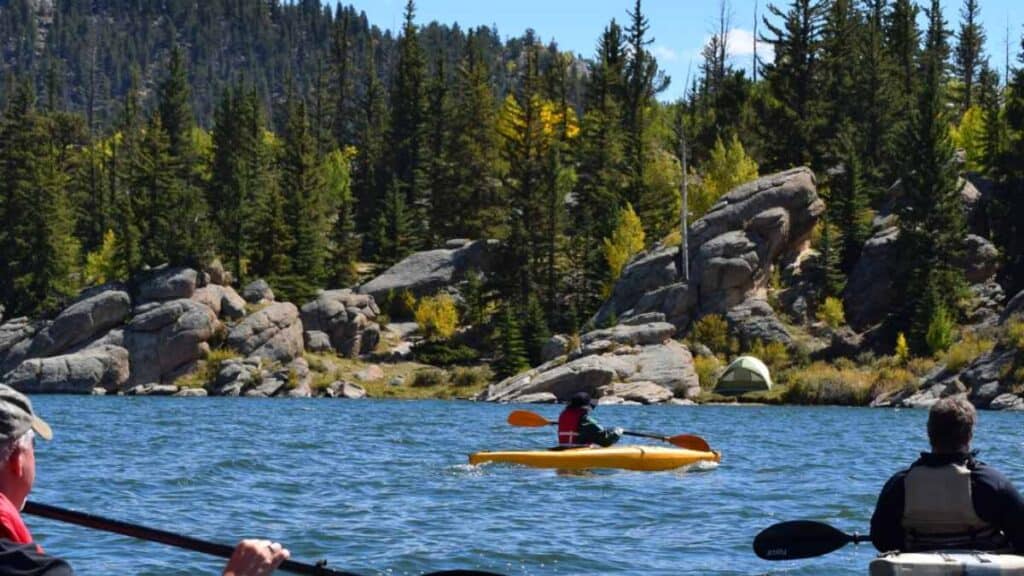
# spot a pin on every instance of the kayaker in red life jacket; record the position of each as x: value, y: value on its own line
x: 19, y: 555
x: 577, y: 426
x: 947, y: 499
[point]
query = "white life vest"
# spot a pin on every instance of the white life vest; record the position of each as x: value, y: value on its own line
x: 938, y: 511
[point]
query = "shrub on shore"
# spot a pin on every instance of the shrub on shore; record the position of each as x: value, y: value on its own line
x: 429, y: 377
x: 707, y: 368
x: 821, y: 383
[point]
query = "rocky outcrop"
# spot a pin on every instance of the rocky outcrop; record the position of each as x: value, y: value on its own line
x: 237, y: 375
x: 163, y: 284
x: 82, y: 322
x: 754, y: 320
x: 346, y: 318
x: 167, y: 340
x: 103, y: 367
x: 258, y: 292
x: 639, y: 335
x: 731, y: 251
x: 668, y: 365
x: 425, y: 273
x: 870, y: 289
x: 223, y: 300
x: 274, y: 333
x: 1014, y: 308
x: 640, y: 392
x: 15, y: 339
x: 981, y: 259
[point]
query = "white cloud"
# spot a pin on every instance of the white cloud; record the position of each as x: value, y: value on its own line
x: 665, y: 54
x: 741, y: 44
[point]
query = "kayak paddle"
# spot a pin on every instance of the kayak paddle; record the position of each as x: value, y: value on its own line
x: 534, y: 420
x: 189, y: 543
x: 802, y: 539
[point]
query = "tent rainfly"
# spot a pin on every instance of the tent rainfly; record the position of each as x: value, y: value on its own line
x: 745, y: 374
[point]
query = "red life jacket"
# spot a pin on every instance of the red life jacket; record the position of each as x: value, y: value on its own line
x: 12, y: 527
x: 569, y: 426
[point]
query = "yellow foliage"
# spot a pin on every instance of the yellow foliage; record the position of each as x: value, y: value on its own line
x: 707, y: 368
x: 902, y: 349
x: 773, y: 354
x: 627, y: 239
x: 713, y: 332
x: 969, y: 348
x: 101, y: 265
x: 831, y: 312
x: 1014, y: 336
x: 821, y: 383
x: 727, y: 167
x: 970, y: 135
x: 437, y: 317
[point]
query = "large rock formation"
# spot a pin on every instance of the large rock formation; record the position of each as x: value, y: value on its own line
x: 425, y: 273
x: 345, y: 318
x: 274, y: 333
x: 102, y: 368
x: 81, y: 322
x: 163, y: 284
x: 166, y: 340
x: 731, y: 251
x: 639, y: 357
x: 223, y: 300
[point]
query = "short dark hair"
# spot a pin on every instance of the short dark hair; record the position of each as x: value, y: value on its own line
x: 951, y: 424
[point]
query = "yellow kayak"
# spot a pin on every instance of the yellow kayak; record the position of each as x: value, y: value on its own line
x: 647, y: 458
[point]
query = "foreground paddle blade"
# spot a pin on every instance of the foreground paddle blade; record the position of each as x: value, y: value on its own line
x: 799, y: 539
x: 527, y: 418
x: 690, y: 442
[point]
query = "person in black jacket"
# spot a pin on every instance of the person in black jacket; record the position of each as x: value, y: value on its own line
x: 19, y: 554
x: 947, y: 499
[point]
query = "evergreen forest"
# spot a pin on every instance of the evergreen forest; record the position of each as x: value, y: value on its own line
x: 300, y: 143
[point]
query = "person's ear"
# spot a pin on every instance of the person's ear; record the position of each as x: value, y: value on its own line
x: 16, y: 462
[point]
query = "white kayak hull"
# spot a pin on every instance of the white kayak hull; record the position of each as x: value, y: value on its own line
x: 951, y: 563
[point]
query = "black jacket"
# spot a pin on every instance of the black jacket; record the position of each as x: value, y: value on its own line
x: 26, y: 560
x: 995, y: 501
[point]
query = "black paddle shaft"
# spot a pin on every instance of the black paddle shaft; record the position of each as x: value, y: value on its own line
x: 164, y: 537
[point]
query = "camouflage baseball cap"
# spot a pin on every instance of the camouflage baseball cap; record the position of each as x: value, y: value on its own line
x: 16, y: 416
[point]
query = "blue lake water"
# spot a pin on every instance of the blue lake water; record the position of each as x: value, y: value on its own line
x: 381, y: 487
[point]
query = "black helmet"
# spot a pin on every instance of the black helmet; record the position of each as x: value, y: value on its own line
x: 581, y: 399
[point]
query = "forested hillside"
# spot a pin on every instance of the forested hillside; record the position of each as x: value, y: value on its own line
x: 293, y: 142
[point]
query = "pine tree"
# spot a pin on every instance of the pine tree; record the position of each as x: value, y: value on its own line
x: 1011, y: 167
x: 792, y: 81
x: 903, y: 43
x: 124, y: 161
x: 302, y: 187
x: 438, y: 162
x: 37, y: 244
x: 394, y: 227
x: 968, y: 56
x: 369, y: 173
x: 535, y: 330
x: 345, y: 242
x: 931, y: 220
x: 474, y: 145
x: 341, y: 61
x: 848, y: 204
x: 174, y: 105
x: 408, y: 104
x: 831, y: 280
x: 643, y: 81
x: 236, y: 171
x: 841, y: 37
x: 876, y: 96
x: 512, y: 359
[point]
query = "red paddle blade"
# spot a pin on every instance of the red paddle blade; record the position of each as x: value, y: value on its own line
x: 690, y: 442
x: 527, y: 418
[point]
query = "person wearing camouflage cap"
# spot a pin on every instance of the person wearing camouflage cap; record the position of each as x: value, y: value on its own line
x: 19, y: 554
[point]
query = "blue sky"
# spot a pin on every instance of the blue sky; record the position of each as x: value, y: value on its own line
x: 680, y: 27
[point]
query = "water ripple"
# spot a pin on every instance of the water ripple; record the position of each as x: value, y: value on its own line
x: 383, y: 487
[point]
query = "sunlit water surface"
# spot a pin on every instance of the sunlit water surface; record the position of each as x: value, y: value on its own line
x: 382, y: 487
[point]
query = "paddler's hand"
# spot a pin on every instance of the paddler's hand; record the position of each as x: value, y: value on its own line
x: 256, y: 558
x: 617, y: 431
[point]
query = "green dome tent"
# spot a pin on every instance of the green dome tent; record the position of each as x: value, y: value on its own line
x: 745, y: 374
